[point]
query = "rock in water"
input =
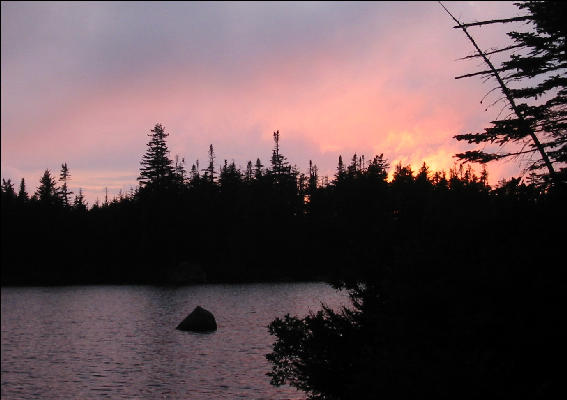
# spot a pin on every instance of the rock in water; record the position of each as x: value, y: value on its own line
x: 200, y: 320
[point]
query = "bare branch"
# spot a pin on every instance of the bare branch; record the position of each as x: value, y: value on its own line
x: 486, y: 72
x: 492, y: 52
x: 493, y: 21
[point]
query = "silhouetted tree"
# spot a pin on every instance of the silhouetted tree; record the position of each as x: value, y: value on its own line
x: 194, y: 175
x: 341, y: 173
x: 230, y: 176
x: 258, y: 169
x: 22, y: 194
x: 64, y: 191
x: 209, y: 175
x: 402, y: 174
x: 280, y: 166
x: 47, y: 192
x: 352, y: 169
x: 156, y: 169
x: 378, y: 168
x: 79, y: 203
x: 180, y: 173
x: 439, y: 180
x: 313, y: 178
x: 540, y: 72
x: 8, y: 189
x: 249, y: 173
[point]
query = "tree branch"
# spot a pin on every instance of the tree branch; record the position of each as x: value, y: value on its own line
x: 486, y: 72
x: 493, y: 51
x: 493, y: 21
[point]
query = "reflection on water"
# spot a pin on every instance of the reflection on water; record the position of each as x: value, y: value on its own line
x: 121, y: 342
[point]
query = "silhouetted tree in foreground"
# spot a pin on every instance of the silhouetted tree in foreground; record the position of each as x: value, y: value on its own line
x: 535, y: 69
x: 447, y: 303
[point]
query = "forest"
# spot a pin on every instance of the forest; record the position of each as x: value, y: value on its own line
x: 265, y: 223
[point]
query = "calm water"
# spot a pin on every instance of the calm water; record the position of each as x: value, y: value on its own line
x: 121, y: 342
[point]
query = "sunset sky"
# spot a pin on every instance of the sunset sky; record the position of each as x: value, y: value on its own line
x: 83, y: 83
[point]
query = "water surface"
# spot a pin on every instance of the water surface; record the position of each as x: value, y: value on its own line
x: 121, y: 342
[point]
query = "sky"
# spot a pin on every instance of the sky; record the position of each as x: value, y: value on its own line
x: 83, y: 83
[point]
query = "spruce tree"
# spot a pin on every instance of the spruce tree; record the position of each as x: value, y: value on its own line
x: 8, y: 189
x: 22, y: 194
x: 180, y: 172
x: 313, y: 178
x: 194, y: 175
x: 378, y: 168
x: 156, y: 169
x: 258, y: 169
x: 341, y: 173
x: 248, y: 174
x: 209, y: 175
x: 352, y: 169
x: 47, y: 192
x: 282, y: 174
x: 534, y: 70
x: 64, y: 192
x: 79, y: 203
x: 280, y: 165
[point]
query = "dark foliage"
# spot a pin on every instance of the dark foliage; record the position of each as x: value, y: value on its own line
x: 457, y: 292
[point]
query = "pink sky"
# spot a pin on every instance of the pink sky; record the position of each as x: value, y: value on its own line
x: 84, y: 83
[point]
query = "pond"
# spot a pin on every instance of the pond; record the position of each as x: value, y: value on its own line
x: 121, y: 341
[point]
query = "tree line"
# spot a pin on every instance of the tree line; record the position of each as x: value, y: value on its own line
x: 224, y: 224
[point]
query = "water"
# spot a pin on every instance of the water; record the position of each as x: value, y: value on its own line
x: 121, y: 342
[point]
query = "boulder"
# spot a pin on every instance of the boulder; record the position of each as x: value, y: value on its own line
x: 200, y: 320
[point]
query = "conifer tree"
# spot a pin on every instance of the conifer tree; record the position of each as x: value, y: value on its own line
x: 341, y: 173
x: 180, y: 172
x: 156, y: 169
x: 352, y: 169
x: 248, y: 175
x: 534, y: 70
x: 64, y: 192
x: 402, y: 174
x: 79, y: 203
x: 8, y: 189
x: 313, y: 178
x: 280, y: 166
x: 258, y: 169
x: 194, y: 175
x: 210, y: 170
x: 22, y: 194
x: 47, y: 192
x: 230, y: 176
x: 378, y: 168
x: 423, y: 174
